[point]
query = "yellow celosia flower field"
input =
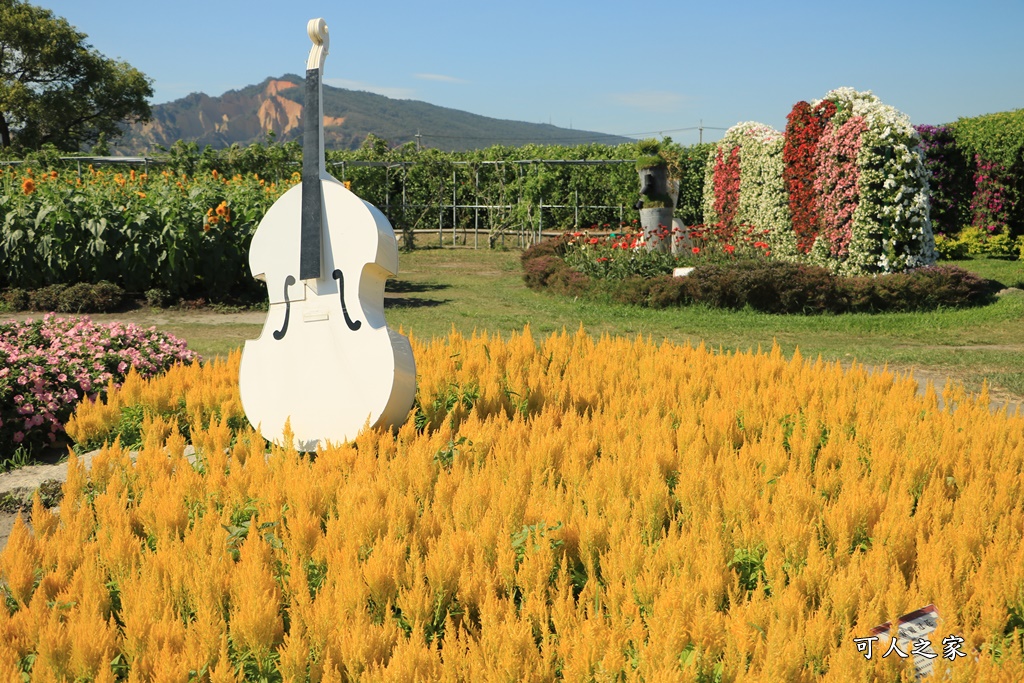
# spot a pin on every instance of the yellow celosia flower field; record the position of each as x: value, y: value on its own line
x: 566, y: 509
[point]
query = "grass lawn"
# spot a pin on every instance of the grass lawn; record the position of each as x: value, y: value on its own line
x: 466, y: 289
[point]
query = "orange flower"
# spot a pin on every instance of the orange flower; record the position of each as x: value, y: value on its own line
x: 142, y: 195
x: 28, y: 186
x: 132, y: 174
x: 224, y: 212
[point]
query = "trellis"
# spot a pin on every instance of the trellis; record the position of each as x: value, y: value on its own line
x: 462, y: 217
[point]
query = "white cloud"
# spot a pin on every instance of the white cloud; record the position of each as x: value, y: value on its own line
x: 651, y: 100
x: 387, y: 91
x: 439, y: 77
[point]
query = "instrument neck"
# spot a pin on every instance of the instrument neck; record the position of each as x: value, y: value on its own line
x: 314, y: 165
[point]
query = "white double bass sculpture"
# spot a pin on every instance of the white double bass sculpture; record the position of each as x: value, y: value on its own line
x: 326, y: 358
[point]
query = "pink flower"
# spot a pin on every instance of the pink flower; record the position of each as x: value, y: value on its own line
x: 19, y: 437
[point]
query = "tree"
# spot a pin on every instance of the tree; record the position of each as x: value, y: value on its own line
x: 56, y: 89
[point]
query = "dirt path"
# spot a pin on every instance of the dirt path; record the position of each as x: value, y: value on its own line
x: 143, y: 317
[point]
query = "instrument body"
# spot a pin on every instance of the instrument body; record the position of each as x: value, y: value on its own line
x: 326, y: 360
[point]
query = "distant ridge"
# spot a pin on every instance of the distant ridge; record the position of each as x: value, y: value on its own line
x: 244, y: 116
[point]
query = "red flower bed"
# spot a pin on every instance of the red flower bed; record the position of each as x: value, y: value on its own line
x: 803, y: 131
x: 727, y: 187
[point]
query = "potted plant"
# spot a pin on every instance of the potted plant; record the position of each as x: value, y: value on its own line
x: 656, y: 204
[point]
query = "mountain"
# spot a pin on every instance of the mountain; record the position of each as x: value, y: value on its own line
x: 244, y: 116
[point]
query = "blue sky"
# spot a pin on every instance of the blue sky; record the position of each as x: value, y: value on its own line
x: 636, y: 69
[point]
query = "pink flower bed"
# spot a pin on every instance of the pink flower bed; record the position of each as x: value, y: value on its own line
x: 836, y: 182
x: 48, y: 365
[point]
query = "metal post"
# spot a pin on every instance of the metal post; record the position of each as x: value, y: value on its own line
x: 540, y: 221
x: 455, y: 196
x: 476, y: 209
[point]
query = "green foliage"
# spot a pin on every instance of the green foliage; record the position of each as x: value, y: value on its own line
x: 686, y: 166
x: 138, y: 231
x: 157, y: 233
x: 650, y: 161
x: 648, y: 147
x: 951, y: 248
x: 55, y: 89
x: 996, y: 142
x: 975, y: 241
x: 748, y: 563
x: 158, y: 298
x: 994, y: 137
x: 19, y: 458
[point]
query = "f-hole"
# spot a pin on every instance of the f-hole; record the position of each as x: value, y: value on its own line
x: 352, y: 324
x: 279, y: 334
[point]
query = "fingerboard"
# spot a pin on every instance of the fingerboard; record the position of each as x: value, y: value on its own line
x: 312, y: 194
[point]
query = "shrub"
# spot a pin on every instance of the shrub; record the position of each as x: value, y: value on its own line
x: 46, y: 299
x: 768, y: 286
x: 715, y: 286
x: 993, y: 199
x: 568, y: 282
x: 951, y: 248
x: 537, y: 271
x: 665, y: 291
x: 15, y: 299
x: 950, y: 179
x: 946, y: 286
x: 921, y: 289
x: 974, y: 241
x: 158, y: 298
x: 102, y: 297
x: 629, y: 290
